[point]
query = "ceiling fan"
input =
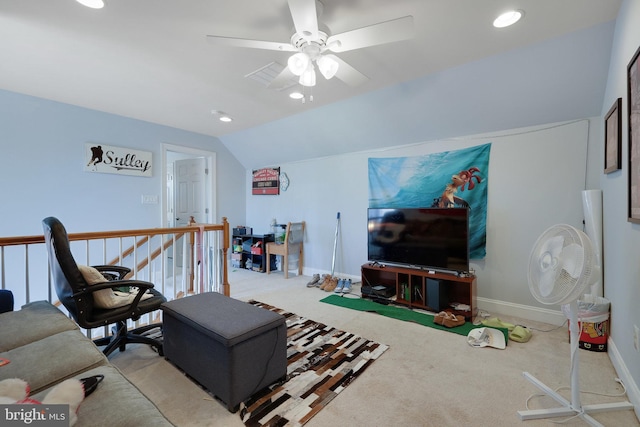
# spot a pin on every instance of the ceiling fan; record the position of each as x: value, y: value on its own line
x: 313, y: 45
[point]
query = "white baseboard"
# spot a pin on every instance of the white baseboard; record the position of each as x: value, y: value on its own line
x: 554, y: 317
x: 312, y: 271
x: 633, y: 393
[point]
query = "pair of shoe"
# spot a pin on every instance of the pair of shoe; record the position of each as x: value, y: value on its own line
x: 343, y: 287
x: 448, y: 320
x: 517, y: 333
x: 520, y: 334
x: 329, y: 283
x: 314, y: 282
x: 495, y: 322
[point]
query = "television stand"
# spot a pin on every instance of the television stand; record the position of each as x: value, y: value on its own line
x: 422, y: 289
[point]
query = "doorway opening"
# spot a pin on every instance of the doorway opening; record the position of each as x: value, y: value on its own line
x: 189, y: 185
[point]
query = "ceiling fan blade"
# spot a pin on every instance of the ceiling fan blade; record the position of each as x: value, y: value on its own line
x: 305, y: 18
x: 283, y: 80
x: 347, y: 73
x: 253, y: 44
x: 384, y: 32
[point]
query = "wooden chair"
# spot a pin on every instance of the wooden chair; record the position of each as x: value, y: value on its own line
x: 293, y: 241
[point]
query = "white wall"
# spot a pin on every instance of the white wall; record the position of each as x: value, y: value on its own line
x: 536, y: 176
x: 621, y: 238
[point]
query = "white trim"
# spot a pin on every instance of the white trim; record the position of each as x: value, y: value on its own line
x: 554, y: 317
x: 210, y: 157
x: 633, y: 393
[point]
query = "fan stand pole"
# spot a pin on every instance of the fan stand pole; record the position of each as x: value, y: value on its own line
x: 573, y: 408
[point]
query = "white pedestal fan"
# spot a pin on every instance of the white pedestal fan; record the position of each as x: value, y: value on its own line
x: 561, y: 266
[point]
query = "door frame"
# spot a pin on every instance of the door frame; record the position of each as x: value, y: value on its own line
x: 210, y: 178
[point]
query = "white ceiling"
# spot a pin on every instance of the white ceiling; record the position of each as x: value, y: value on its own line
x: 150, y: 60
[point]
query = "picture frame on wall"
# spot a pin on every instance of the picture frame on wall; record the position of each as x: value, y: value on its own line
x: 633, y: 111
x: 613, y: 138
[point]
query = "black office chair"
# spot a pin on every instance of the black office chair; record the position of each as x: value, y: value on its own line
x: 77, y: 295
x: 6, y: 300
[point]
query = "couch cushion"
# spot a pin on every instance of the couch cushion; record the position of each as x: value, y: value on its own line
x: 116, y: 402
x: 52, y: 359
x: 33, y: 322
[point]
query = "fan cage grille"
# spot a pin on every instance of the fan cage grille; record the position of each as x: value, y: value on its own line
x: 565, y: 287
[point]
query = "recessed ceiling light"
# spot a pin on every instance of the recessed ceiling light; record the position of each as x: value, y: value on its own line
x: 296, y: 95
x: 94, y: 4
x: 508, y: 18
x: 222, y: 116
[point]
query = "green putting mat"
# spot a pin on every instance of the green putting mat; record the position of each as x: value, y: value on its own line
x: 399, y: 313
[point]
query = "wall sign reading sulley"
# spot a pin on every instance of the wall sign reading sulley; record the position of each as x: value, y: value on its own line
x: 118, y: 160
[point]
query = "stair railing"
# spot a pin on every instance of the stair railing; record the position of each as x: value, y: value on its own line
x: 153, y: 256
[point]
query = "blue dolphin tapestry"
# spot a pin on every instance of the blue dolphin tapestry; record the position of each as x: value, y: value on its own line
x: 448, y: 179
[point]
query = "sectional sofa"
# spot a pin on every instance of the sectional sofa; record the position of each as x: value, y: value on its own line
x: 44, y: 347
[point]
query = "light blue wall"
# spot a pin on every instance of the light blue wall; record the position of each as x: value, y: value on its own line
x: 535, y: 179
x: 621, y: 249
x: 41, y: 169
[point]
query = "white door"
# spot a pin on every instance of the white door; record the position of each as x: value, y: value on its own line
x: 189, y: 195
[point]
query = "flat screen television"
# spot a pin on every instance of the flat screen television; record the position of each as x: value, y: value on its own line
x: 425, y: 238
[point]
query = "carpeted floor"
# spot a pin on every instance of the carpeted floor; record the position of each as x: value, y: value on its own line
x: 428, y: 377
x: 322, y: 361
x: 400, y: 313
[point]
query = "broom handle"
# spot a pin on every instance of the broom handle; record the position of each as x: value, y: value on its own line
x: 335, y: 245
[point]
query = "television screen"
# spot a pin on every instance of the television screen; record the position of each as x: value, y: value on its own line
x: 426, y: 238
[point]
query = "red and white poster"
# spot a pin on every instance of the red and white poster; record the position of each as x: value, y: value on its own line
x: 266, y: 181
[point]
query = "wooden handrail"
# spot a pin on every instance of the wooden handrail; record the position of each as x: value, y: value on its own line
x: 146, y: 233
x: 98, y: 235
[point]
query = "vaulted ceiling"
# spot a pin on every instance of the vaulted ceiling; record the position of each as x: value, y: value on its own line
x: 150, y: 60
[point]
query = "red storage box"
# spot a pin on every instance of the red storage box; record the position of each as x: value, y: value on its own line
x: 256, y: 249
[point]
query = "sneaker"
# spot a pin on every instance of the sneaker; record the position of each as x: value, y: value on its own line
x: 346, y: 288
x: 325, y: 281
x: 333, y: 282
x: 315, y: 280
x: 339, y: 286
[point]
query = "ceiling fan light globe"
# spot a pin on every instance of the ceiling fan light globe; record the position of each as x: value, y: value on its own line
x: 308, y: 78
x: 298, y: 63
x: 327, y: 66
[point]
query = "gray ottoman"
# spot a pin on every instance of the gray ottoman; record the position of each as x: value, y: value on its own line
x: 230, y: 347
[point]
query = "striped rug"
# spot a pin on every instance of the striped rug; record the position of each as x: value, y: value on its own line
x: 322, y: 361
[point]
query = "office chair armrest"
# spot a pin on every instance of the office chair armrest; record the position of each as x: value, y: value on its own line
x: 108, y: 270
x: 113, y: 284
x: 133, y: 307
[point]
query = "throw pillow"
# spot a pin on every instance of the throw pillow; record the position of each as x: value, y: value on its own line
x: 108, y: 298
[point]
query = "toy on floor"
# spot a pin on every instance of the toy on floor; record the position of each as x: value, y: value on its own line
x: 69, y: 392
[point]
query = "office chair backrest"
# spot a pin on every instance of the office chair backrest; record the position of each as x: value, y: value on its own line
x: 67, y: 278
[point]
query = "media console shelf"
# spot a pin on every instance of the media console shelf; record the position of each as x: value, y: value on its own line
x: 421, y: 288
